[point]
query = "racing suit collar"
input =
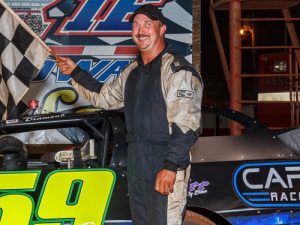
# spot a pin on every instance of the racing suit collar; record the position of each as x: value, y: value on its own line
x: 140, y: 61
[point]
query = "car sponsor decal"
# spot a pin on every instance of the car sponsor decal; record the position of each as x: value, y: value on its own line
x: 196, y: 188
x: 43, y: 117
x: 64, y: 197
x: 268, y: 184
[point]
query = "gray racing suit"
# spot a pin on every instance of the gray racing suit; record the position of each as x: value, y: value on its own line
x: 162, y: 107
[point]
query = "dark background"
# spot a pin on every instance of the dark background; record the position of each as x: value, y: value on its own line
x: 266, y: 33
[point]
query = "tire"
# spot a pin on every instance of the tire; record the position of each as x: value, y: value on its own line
x: 192, y: 218
x: 13, y: 154
x: 10, y: 140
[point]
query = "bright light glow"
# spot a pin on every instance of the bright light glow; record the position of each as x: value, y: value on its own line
x: 246, y: 30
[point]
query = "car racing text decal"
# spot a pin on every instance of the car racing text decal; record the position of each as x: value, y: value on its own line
x: 272, y: 184
x: 196, y: 188
x: 74, y: 196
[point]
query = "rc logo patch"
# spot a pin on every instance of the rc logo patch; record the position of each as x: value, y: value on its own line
x: 185, y: 94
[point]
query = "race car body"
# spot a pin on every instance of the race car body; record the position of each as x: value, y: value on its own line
x: 80, y: 177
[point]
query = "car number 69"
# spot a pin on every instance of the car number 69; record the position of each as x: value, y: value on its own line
x: 74, y: 196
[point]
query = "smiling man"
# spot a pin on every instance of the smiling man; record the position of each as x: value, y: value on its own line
x: 161, y: 94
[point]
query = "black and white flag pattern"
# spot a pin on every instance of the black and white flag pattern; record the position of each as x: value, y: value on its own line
x: 21, y: 58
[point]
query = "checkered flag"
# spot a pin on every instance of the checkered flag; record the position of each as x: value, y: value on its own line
x: 22, y: 55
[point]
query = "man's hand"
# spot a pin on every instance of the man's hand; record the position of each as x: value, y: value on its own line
x: 65, y: 65
x: 165, y: 180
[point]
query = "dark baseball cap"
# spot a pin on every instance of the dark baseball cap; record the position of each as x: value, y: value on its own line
x: 150, y: 11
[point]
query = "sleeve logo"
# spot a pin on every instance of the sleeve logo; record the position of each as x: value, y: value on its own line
x: 185, y: 94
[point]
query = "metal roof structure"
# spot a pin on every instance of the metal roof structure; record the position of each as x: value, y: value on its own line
x: 233, y: 68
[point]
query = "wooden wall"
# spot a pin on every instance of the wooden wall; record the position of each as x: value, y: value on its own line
x: 197, y: 34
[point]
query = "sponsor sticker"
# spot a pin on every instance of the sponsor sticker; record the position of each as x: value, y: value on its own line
x: 269, y: 184
x: 197, y: 188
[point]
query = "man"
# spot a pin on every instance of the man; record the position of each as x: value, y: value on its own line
x: 161, y: 94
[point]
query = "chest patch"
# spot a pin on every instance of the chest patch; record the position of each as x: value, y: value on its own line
x: 185, y: 94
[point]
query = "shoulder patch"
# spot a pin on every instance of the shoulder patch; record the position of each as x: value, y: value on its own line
x: 185, y: 94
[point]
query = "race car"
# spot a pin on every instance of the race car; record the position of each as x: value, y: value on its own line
x: 71, y: 169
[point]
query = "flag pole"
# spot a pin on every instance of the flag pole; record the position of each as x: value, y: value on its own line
x: 28, y: 29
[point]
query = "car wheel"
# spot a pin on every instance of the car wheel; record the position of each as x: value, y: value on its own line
x: 192, y: 218
x: 13, y: 154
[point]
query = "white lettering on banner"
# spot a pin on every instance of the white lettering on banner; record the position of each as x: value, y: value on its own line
x: 278, y: 96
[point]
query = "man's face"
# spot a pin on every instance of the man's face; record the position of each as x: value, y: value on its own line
x: 147, y: 33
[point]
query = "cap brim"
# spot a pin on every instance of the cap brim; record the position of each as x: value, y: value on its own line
x: 144, y: 13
